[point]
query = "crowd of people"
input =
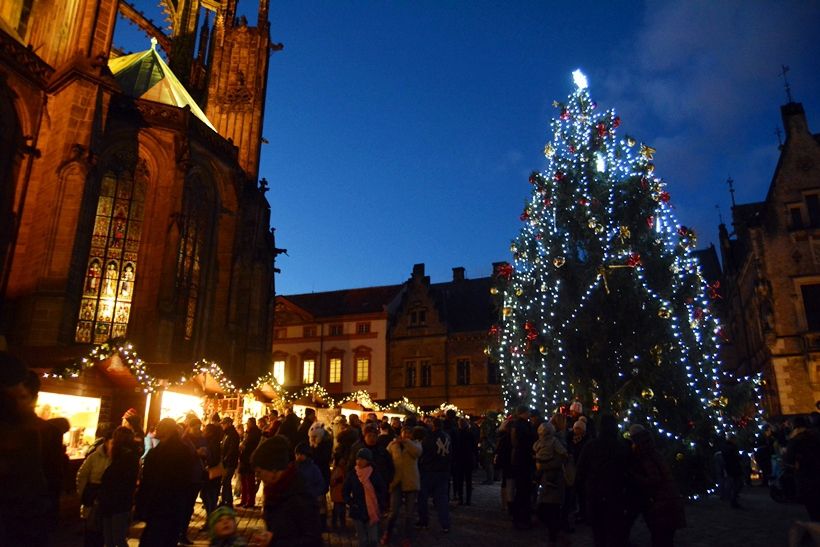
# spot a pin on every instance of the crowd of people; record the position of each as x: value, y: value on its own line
x: 379, y: 475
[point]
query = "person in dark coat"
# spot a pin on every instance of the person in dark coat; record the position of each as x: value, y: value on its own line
x: 733, y: 471
x: 803, y: 454
x: 602, y: 474
x: 574, y: 496
x: 366, y: 494
x: 116, y: 493
x: 657, y: 495
x: 164, y: 487
x: 307, y: 422
x: 211, y: 485
x: 198, y: 446
x: 464, y: 458
x: 290, y: 512
x: 252, y: 437
x: 381, y: 459
x: 230, y: 459
x: 522, y: 438
x: 23, y: 497
x: 290, y: 427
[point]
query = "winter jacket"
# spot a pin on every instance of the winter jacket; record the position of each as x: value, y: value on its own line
x: 466, y: 443
x: 656, y: 492
x: 119, y: 481
x: 601, y: 472
x: 290, y: 429
x: 337, y: 480
x: 803, y: 452
x: 354, y: 495
x: 291, y: 513
x: 252, y: 437
x: 230, y: 448
x: 550, y: 456
x: 166, y: 479
x: 405, y: 454
x: 438, y: 452
x: 91, y: 472
x: 312, y: 478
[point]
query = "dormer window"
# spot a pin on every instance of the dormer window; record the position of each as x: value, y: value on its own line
x: 418, y: 317
x: 795, y: 217
x: 813, y: 208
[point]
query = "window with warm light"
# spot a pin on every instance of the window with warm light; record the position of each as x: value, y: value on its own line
x: 308, y: 371
x: 279, y: 372
x: 111, y: 270
x: 362, y: 370
x: 334, y: 373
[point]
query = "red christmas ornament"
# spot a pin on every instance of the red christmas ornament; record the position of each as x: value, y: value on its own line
x: 504, y: 270
x: 665, y: 197
x: 532, y: 335
x: 564, y: 114
x: 494, y: 330
x: 582, y: 201
x: 571, y: 149
x: 601, y: 129
x: 559, y: 176
x: 527, y: 326
x: 634, y: 260
x: 548, y: 202
x: 682, y: 231
x: 650, y: 220
x: 525, y: 215
x: 714, y: 290
x: 616, y: 121
x: 538, y: 237
x: 533, y: 179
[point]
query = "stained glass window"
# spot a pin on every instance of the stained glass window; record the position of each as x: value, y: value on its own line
x: 196, y: 222
x: 108, y: 288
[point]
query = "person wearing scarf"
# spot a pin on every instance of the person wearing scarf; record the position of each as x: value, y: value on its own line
x: 364, y: 491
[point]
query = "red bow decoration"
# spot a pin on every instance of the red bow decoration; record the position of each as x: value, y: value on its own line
x: 601, y: 129
x: 664, y: 197
x: 616, y: 121
x: 504, y: 270
x: 634, y: 260
x: 559, y: 175
x: 713, y: 290
x: 525, y: 215
x: 565, y: 114
x: 494, y: 330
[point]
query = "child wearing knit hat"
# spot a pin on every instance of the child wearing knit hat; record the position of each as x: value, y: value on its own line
x: 222, y: 526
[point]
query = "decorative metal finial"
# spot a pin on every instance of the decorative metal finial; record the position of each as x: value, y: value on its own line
x: 784, y: 71
x: 731, y: 184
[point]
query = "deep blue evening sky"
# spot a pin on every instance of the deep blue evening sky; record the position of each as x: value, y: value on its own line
x: 404, y: 131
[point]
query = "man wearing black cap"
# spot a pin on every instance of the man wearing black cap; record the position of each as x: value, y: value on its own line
x: 290, y: 512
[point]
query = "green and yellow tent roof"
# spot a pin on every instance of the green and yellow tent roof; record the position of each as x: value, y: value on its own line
x: 145, y: 75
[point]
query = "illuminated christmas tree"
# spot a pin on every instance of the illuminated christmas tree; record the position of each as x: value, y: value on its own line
x: 604, y: 301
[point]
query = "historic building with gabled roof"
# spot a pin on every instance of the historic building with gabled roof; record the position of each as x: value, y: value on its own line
x: 771, y: 263
x: 130, y: 205
x: 421, y: 340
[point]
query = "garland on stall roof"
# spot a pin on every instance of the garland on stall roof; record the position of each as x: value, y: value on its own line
x: 102, y: 352
x: 204, y: 366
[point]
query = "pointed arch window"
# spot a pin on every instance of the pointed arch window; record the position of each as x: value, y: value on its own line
x: 197, y: 219
x: 111, y: 271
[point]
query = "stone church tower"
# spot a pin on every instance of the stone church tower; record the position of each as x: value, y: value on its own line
x: 130, y: 205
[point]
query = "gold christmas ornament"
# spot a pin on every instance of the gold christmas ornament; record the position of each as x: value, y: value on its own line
x: 723, y: 401
x: 487, y: 351
x: 549, y: 150
x: 624, y: 233
x: 592, y: 223
x: 650, y: 168
x: 513, y: 248
x: 542, y: 349
x: 599, y: 229
x: 647, y: 151
x: 506, y: 311
x: 558, y: 261
x: 664, y: 313
x: 630, y: 142
x: 647, y: 393
x: 519, y: 291
x: 679, y: 456
x: 493, y: 290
